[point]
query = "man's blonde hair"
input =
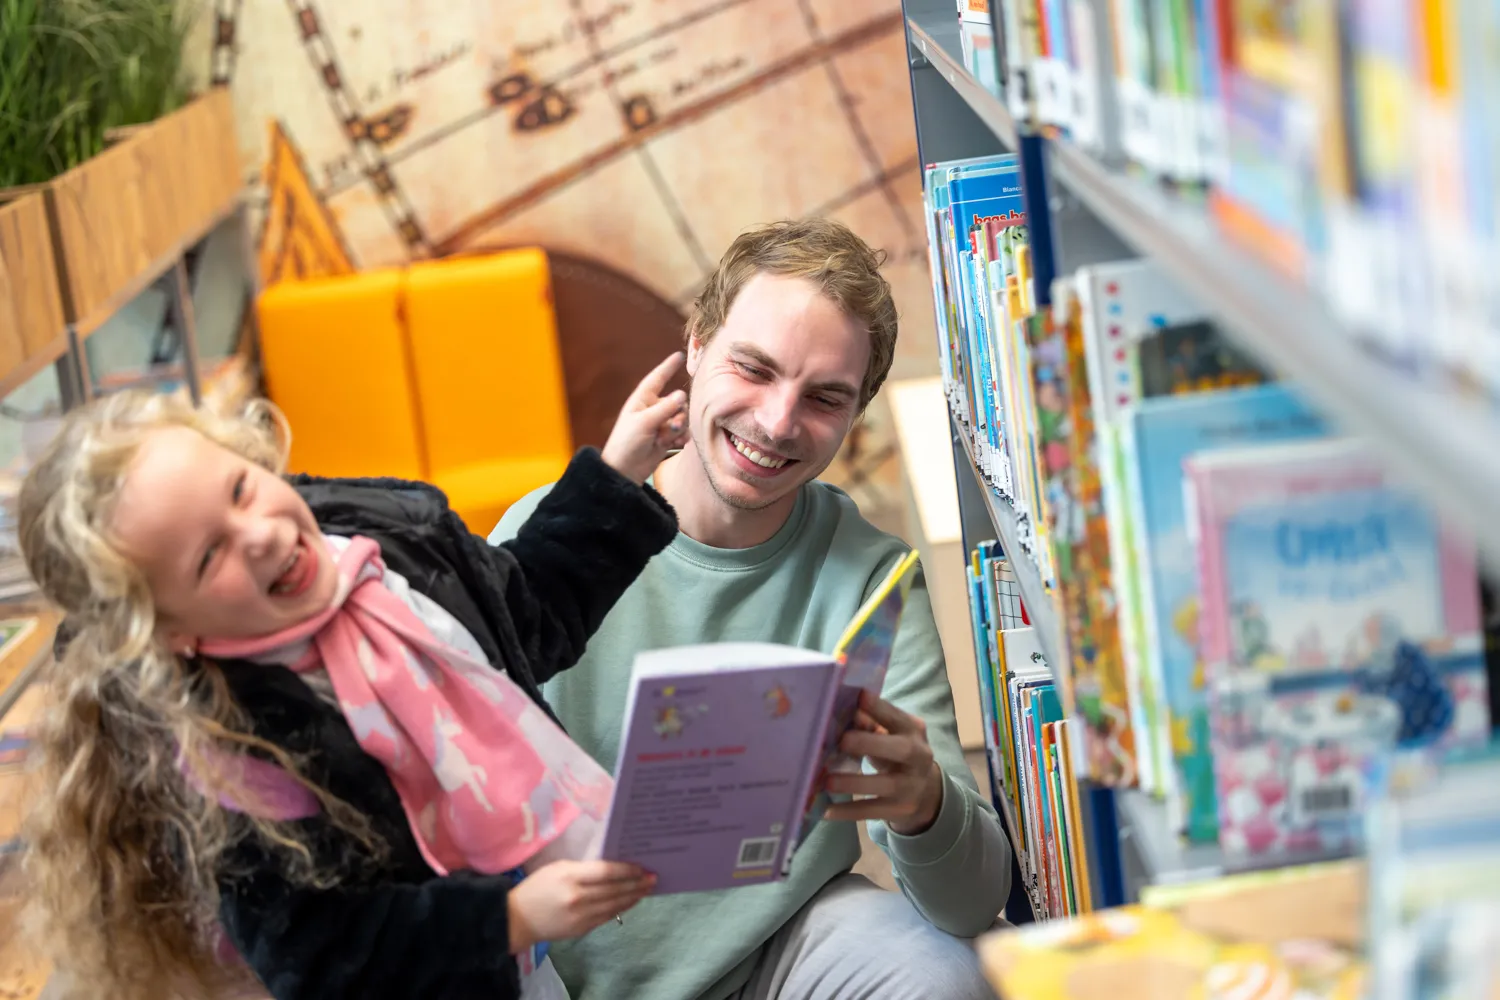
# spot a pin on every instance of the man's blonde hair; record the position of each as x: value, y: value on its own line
x: 825, y: 252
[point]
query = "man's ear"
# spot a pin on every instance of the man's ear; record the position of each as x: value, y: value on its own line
x: 694, y: 353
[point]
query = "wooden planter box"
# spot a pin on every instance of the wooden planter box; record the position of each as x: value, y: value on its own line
x: 78, y: 248
x: 32, y: 324
x: 120, y: 219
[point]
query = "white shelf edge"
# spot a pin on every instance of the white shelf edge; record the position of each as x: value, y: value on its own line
x: 1447, y: 445
x: 1039, y: 604
x: 987, y: 106
x: 1165, y: 858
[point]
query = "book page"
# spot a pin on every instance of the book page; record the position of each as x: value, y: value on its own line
x: 864, y: 654
x: 712, y: 768
x: 722, y: 657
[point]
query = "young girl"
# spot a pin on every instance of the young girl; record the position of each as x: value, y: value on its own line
x: 275, y: 719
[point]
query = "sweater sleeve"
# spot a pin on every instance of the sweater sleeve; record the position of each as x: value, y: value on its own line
x: 573, y: 558
x: 957, y: 872
x: 447, y: 937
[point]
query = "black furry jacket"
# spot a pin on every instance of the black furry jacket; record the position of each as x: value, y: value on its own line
x: 394, y: 929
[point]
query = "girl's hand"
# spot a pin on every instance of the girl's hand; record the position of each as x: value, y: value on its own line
x: 567, y: 899
x: 649, y: 425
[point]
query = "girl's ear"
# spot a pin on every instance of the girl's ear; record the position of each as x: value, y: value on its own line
x: 180, y: 643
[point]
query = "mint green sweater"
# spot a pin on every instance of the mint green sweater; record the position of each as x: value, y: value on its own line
x: 801, y: 587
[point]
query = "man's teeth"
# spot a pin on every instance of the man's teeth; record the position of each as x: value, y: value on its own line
x: 763, y: 461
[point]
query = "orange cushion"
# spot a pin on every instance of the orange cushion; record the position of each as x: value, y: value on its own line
x: 334, y: 352
x: 486, y: 361
x: 482, y: 492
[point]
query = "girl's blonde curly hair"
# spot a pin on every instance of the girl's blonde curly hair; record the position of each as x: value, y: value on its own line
x: 122, y: 853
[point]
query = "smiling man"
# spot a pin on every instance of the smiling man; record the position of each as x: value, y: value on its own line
x: 791, y: 338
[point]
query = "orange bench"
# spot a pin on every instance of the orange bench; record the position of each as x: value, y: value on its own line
x: 445, y: 371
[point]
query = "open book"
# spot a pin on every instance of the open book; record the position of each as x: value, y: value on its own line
x: 726, y: 745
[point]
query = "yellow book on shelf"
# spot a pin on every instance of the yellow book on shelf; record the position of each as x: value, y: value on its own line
x: 1074, y: 811
x: 1008, y: 740
x: 1293, y: 932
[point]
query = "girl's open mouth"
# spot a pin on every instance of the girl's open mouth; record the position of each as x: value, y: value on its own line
x: 297, y: 573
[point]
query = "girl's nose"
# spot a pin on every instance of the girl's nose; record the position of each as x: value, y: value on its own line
x: 258, y: 536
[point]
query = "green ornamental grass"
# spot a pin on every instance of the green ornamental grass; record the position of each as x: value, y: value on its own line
x: 70, y: 70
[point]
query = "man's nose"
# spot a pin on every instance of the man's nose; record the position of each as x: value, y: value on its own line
x: 777, y: 415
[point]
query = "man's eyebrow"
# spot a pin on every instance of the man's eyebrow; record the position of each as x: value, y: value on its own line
x: 755, y: 355
x: 761, y: 359
x: 837, y: 388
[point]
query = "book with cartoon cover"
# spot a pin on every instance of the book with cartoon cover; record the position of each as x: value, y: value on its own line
x: 720, y: 772
x: 1339, y: 617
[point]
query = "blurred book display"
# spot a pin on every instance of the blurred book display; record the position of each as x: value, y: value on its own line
x: 1352, y: 146
x: 1236, y: 657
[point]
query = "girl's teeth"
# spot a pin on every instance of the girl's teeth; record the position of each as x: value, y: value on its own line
x: 280, y: 586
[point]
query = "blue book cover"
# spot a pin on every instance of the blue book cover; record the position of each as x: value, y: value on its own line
x: 991, y: 191
x: 1164, y: 432
x: 977, y: 193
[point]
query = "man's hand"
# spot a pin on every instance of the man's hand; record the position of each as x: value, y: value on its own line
x: 906, y: 791
x: 650, y: 425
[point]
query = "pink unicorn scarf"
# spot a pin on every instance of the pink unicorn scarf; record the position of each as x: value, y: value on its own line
x: 488, y: 781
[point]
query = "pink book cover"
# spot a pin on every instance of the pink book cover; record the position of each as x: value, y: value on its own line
x: 1340, y: 617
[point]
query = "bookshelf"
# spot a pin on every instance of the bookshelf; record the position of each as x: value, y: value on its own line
x: 1096, y: 209
x: 1436, y: 437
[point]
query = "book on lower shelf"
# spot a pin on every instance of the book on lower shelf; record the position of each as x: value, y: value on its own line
x: 721, y: 768
x: 1029, y: 742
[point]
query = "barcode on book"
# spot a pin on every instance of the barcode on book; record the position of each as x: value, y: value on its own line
x: 1324, y: 799
x: 757, y: 851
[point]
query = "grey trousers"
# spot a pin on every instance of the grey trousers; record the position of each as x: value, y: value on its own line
x: 856, y: 941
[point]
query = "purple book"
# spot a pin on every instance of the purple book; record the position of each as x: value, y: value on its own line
x: 719, y: 774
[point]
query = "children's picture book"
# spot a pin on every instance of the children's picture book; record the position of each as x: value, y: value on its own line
x: 1339, y: 619
x: 1162, y: 433
x: 1294, y: 932
x: 720, y: 774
